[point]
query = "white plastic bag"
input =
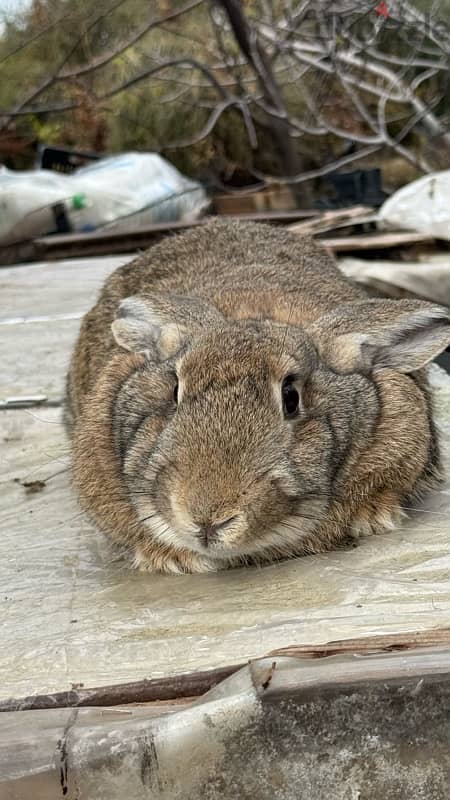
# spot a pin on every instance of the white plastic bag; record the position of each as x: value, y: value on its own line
x: 26, y: 201
x: 31, y: 203
x: 423, y: 206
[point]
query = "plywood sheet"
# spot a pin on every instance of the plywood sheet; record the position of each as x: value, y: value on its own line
x: 71, y: 612
x: 40, y: 311
x: 375, y: 241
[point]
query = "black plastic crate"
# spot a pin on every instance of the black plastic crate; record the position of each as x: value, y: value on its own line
x: 67, y: 161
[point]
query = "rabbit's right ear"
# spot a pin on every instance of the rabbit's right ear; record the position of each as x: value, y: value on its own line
x: 160, y: 323
x: 377, y: 334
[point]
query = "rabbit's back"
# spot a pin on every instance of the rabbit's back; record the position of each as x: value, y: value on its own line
x: 224, y: 255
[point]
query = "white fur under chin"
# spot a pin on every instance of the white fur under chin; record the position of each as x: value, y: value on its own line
x: 281, y: 541
x: 164, y: 533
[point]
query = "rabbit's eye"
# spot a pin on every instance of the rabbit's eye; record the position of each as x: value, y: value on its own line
x: 175, y: 393
x: 291, y: 398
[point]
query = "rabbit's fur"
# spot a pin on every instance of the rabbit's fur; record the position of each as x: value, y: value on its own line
x: 218, y: 476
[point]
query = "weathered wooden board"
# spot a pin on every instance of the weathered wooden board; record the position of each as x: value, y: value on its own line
x: 40, y: 311
x: 333, y: 220
x: 375, y: 241
x: 122, y: 236
x: 72, y: 613
x: 54, y: 288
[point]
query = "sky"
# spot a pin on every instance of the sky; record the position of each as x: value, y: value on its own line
x: 11, y: 7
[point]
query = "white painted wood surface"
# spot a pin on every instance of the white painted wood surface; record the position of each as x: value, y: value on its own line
x: 72, y: 613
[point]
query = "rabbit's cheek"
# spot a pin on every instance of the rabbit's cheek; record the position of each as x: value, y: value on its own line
x: 313, y: 453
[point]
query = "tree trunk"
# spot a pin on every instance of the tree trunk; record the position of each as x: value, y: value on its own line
x: 291, y: 161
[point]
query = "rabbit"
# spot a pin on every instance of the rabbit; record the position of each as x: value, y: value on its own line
x: 233, y: 399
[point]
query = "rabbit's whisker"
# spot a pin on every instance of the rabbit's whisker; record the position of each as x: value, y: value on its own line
x: 286, y: 324
x: 418, y: 510
x: 40, y: 419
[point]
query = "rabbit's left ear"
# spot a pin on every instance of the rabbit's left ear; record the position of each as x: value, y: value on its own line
x: 160, y: 323
x: 398, y: 334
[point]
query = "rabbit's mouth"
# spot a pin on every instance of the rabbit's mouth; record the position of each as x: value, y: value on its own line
x: 217, y: 537
x: 218, y: 542
x: 278, y: 540
x: 235, y: 539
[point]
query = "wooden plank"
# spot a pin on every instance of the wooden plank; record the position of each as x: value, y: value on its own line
x: 375, y: 241
x: 85, y: 617
x: 132, y: 239
x: 126, y: 238
x: 45, y: 349
x: 53, y: 290
x: 123, y: 238
x: 41, y: 312
x: 330, y: 220
x: 271, y: 198
x: 370, y: 644
x: 193, y: 684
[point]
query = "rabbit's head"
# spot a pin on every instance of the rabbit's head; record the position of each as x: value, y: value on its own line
x: 236, y: 437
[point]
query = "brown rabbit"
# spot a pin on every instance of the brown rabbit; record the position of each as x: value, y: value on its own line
x: 234, y: 399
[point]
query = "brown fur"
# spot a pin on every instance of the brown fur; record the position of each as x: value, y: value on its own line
x: 232, y: 309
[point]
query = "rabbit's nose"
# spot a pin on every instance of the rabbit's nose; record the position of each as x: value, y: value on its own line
x: 208, y: 533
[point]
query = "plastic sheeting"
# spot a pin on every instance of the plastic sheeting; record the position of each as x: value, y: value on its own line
x: 345, y: 728
x: 428, y: 277
x: 420, y: 206
x: 73, y: 613
x: 96, y: 195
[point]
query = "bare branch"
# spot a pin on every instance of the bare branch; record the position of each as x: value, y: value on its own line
x: 321, y: 171
x: 125, y: 45
x: 59, y: 108
x: 32, y: 39
x: 295, y: 69
x: 60, y: 76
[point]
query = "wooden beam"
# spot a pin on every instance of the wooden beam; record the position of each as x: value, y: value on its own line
x: 332, y: 220
x: 376, y: 241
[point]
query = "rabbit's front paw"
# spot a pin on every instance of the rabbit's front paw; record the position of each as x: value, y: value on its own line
x: 382, y: 513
